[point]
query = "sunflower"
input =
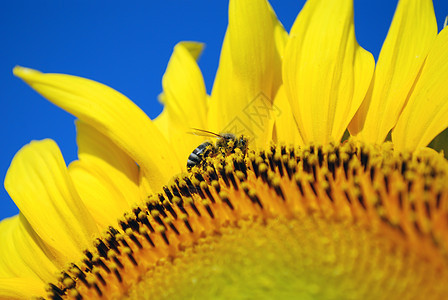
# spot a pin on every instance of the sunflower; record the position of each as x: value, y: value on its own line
x: 301, y: 211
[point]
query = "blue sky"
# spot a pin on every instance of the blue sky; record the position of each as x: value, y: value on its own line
x: 124, y: 46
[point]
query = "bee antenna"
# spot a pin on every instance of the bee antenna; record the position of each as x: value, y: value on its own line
x: 197, y: 130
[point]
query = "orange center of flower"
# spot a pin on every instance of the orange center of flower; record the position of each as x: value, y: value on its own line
x: 332, y: 222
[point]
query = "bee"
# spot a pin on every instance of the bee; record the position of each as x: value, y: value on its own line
x: 226, y: 144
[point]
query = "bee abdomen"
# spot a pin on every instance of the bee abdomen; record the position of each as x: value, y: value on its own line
x: 197, y: 155
x: 193, y: 160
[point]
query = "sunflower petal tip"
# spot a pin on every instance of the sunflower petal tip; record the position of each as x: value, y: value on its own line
x: 23, y: 72
x: 195, y: 48
x: 25, y: 151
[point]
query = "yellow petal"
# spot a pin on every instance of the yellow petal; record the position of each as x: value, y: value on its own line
x: 20, y: 288
x: 98, y: 192
x: 425, y: 114
x: 249, y: 72
x: 326, y: 73
x: 20, y: 254
x: 162, y: 122
x: 185, y: 138
x: 95, y: 147
x: 281, y: 39
x: 112, y: 114
x: 105, y: 177
x: 285, y: 125
x: 98, y: 150
x: 410, y: 37
x: 38, y: 182
x: 184, y: 94
x: 185, y: 99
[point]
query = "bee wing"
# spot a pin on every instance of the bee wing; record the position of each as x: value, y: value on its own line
x: 201, y: 132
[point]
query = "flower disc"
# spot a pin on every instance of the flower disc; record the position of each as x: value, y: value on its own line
x: 348, y: 221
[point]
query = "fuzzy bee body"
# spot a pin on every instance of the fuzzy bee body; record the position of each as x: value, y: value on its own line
x: 198, y: 154
x: 226, y: 144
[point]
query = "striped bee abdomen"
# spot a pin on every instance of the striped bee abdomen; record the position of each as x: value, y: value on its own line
x: 198, y: 154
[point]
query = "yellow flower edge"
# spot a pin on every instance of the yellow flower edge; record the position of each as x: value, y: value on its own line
x: 319, y: 219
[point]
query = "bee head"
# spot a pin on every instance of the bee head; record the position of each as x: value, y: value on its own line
x: 228, y: 136
x: 241, y: 143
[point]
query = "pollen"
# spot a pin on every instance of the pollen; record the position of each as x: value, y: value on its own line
x: 345, y: 221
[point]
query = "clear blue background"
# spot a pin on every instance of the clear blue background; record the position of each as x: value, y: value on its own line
x: 124, y: 46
